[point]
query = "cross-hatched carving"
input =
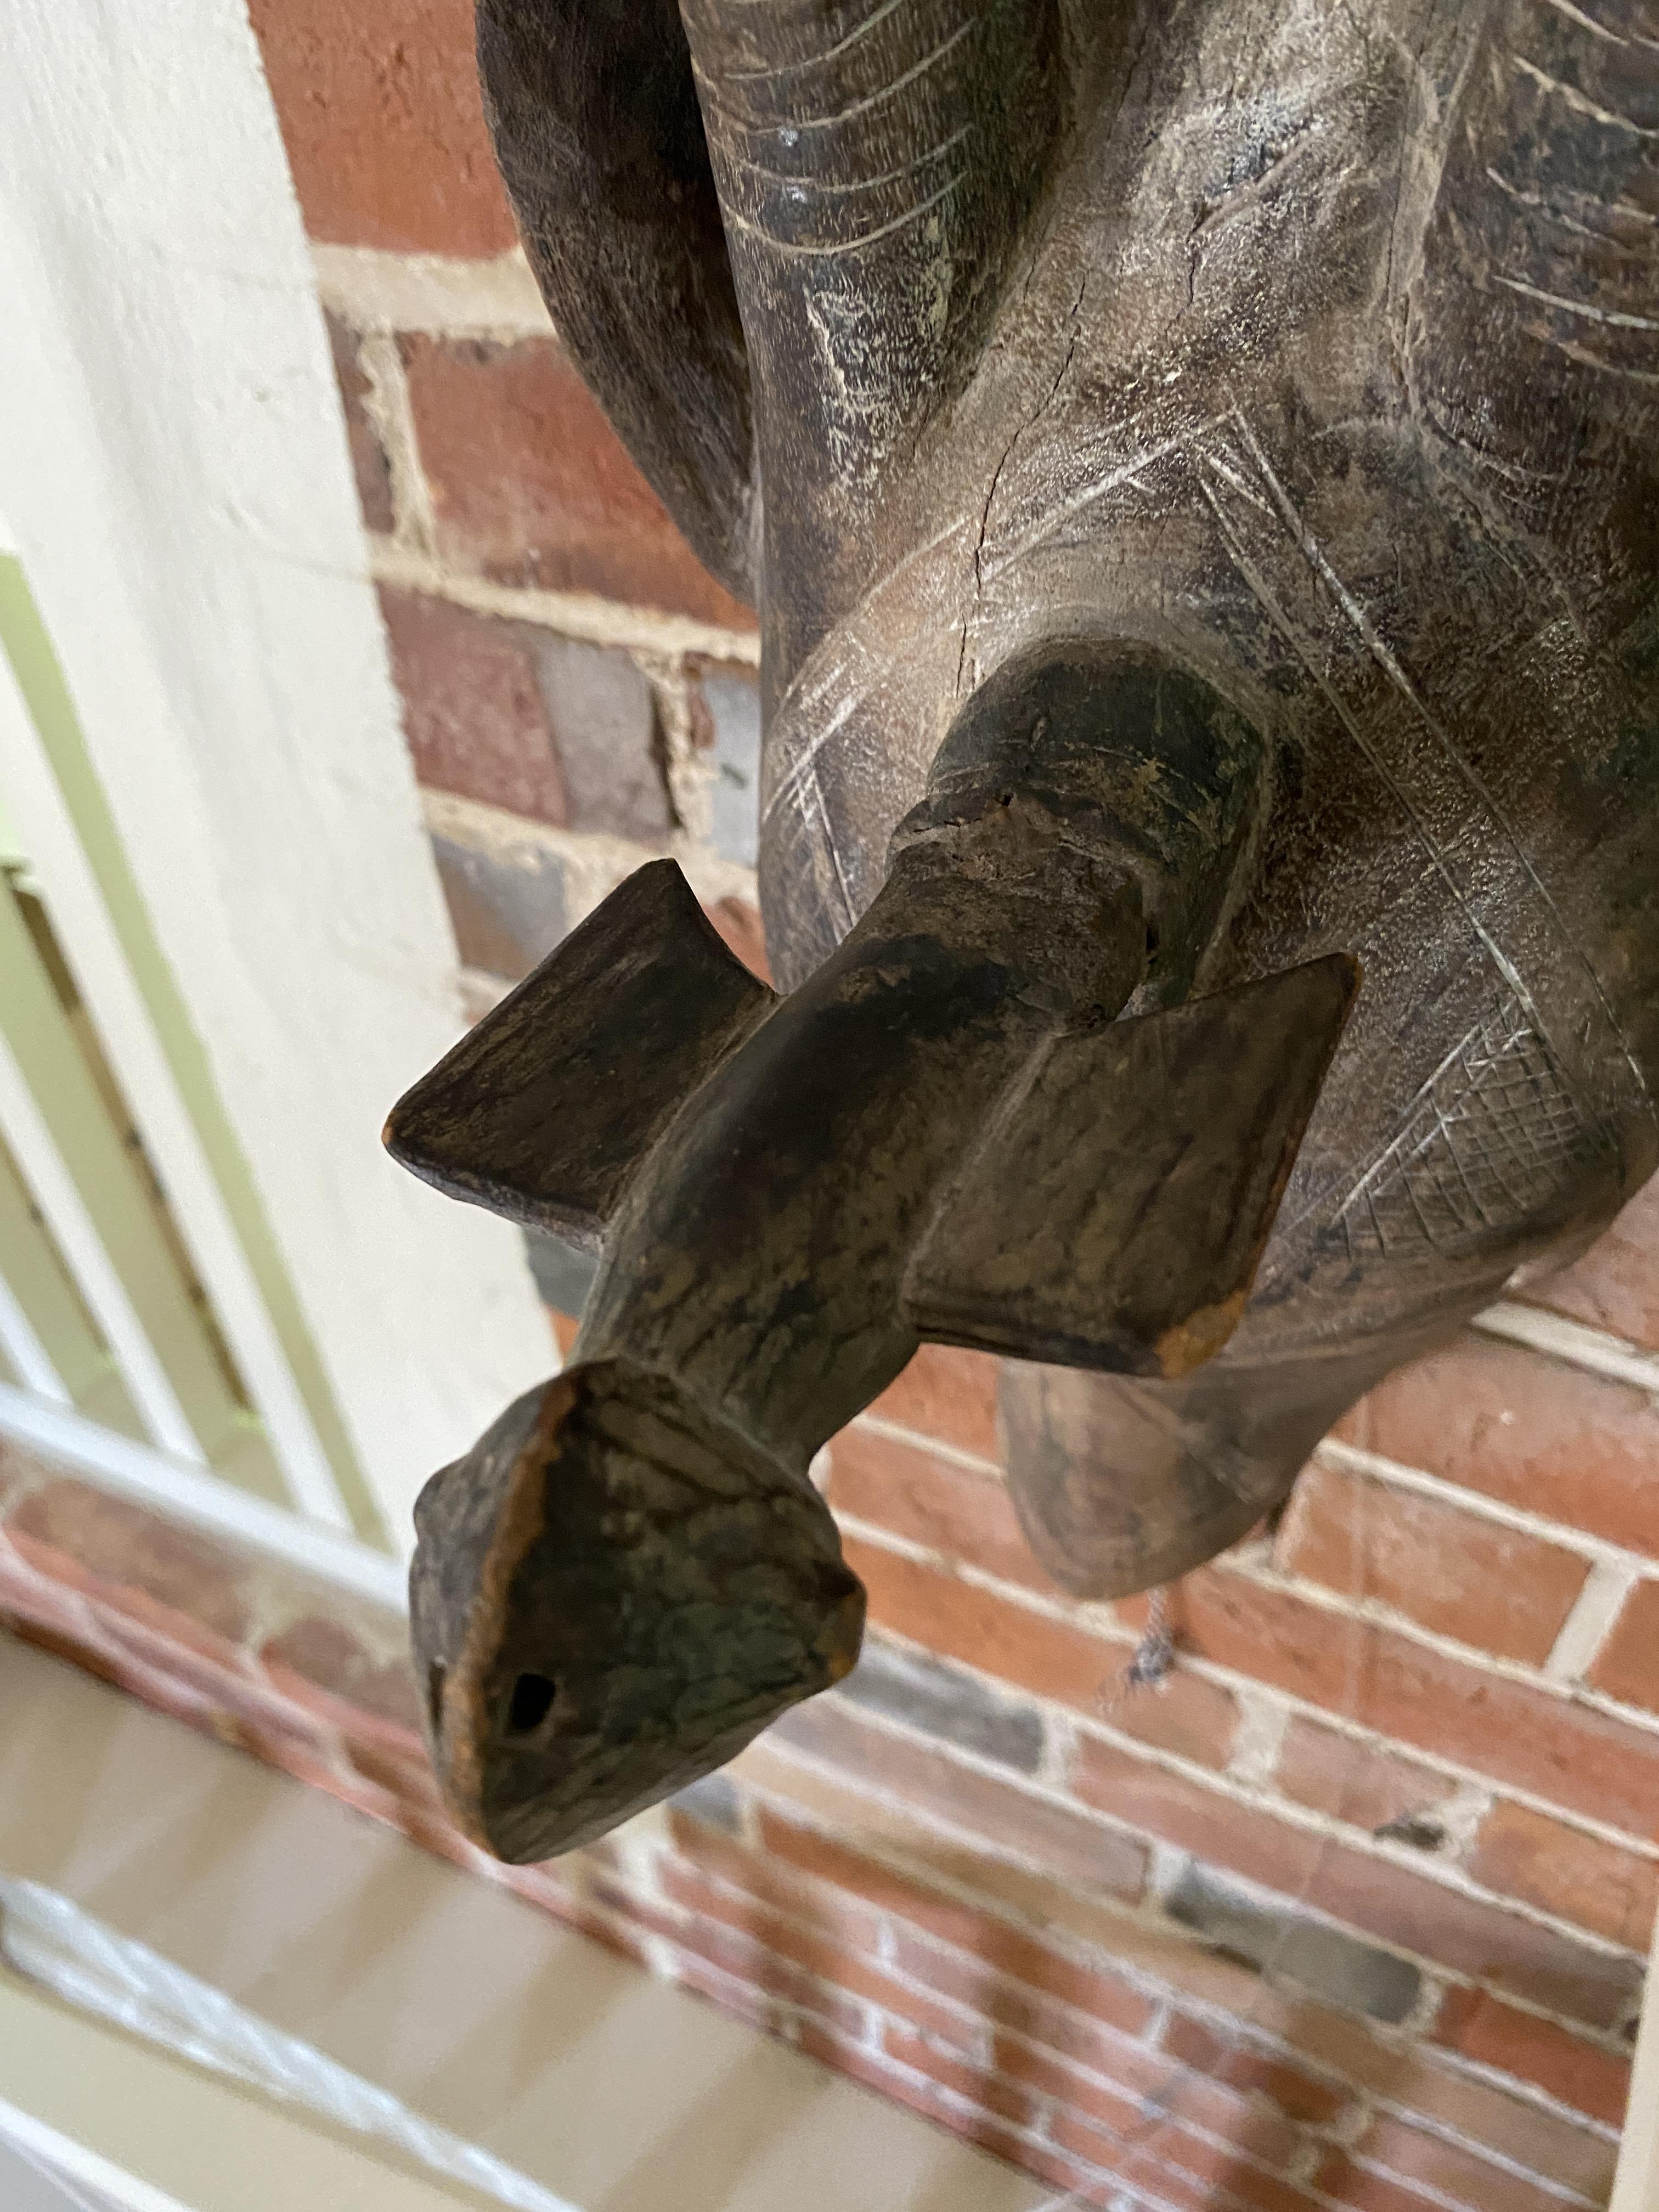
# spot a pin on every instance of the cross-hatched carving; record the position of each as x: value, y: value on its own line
x: 1490, y: 1139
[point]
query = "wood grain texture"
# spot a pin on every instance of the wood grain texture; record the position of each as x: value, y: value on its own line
x: 543, y: 1110
x: 1116, y: 1215
x: 613, y: 1594
x: 1210, y: 537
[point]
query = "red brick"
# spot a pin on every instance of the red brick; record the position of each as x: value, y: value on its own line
x: 992, y: 1972
x: 1185, y: 1713
x: 1106, y: 2078
x: 473, y: 712
x: 1167, y: 2162
x: 835, y: 1951
x: 158, y: 1634
x: 236, y: 1711
x: 607, y: 733
x: 425, y: 1826
x: 540, y: 1885
x: 821, y: 1798
x: 1366, y: 2190
x: 1130, y: 2166
x: 1615, y: 1287
x: 1466, y: 1578
x: 1229, y: 2173
x: 1395, y: 1904
x: 71, y: 1641
x: 17, y: 1468
x: 275, y: 1741
x: 1328, y: 2041
x: 1414, y: 2157
x: 41, y: 1598
x: 935, y: 2101
x: 1424, y: 2080
x: 912, y: 1491
x: 225, y: 1677
x: 530, y: 484
x: 1416, y: 2076
x: 369, y: 466
x: 1353, y: 1780
x: 1578, y: 1877
x: 1063, y: 1840
x: 949, y: 1395
x: 1508, y: 2123
x: 1124, y: 2166
x: 383, y: 123
x: 1529, y: 1737
x: 926, y: 2054
x: 1167, y: 2099
x: 1508, y: 1422
x: 506, y: 918
x: 842, y: 1897
x: 1026, y: 1892
x: 319, y: 1657
x: 1627, y: 1665
x: 1242, y: 2065
x: 775, y: 1886
x: 730, y: 1951
x: 405, y: 1775
x: 984, y: 1953
x: 999, y: 1637
x: 125, y: 1555
x: 1136, y: 2091
x: 1317, y: 2036
x: 614, y: 1931
x: 738, y: 1999
x: 1113, y: 2170
x: 742, y: 932
x: 1482, y: 2027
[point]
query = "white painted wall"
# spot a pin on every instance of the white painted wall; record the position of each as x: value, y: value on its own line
x: 174, y: 467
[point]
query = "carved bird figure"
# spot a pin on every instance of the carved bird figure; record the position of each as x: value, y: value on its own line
x: 1198, y: 469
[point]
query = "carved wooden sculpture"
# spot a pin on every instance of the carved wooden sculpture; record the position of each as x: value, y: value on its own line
x: 1198, y: 467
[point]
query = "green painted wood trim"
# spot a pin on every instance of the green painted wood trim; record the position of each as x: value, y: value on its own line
x: 110, y: 1178
x: 44, y: 1287
x: 40, y: 677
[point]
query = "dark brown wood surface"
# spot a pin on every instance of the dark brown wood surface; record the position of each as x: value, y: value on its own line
x: 1198, y: 468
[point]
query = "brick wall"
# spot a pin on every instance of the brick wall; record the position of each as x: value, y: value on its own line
x: 1352, y: 1910
x: 579, y: 695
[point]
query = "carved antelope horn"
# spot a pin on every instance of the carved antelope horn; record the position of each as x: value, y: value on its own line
x: 595, y: 114
x: 944, y: 1133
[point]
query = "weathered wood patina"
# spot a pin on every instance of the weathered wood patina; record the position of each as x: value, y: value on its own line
x: 1198, y: 469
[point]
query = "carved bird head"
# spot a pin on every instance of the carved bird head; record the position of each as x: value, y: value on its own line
x: 611, y: 1595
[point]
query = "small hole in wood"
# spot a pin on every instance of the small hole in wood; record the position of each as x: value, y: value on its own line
x: 531, y: 1702
x: 1151, y: 943
x: 435, y: 1695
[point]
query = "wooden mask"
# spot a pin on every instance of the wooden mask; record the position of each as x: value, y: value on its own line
x: 1198, y: 469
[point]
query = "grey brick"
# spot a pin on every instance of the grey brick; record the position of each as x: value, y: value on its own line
x: 906, y: 1686
x: 603, y: 721
x: 507, y: 907
x: 564, y: 1276
x: 713, y: 1800
x: 1416, y: 1829
x: 1290, y: 1946
x: 733, y: 703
